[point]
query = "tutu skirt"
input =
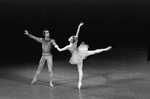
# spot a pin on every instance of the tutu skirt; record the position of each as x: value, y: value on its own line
x: 78, y: 57
x: 75, y: 59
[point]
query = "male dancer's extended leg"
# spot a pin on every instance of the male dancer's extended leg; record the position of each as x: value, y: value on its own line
x: 41, y: 64
x: 80, y: 71
x: 50, y: 65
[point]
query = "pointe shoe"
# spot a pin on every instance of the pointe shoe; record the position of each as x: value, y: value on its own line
x: 51, y: 84
x: 33, y: 81
x: 79, y: 85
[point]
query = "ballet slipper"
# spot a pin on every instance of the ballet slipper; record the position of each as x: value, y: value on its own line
x: 79, y: 85
x: 51, y: 84
x: 33, y: 81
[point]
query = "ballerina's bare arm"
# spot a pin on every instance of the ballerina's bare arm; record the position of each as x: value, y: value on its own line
x: 79, y: 28
x: 64, y: 48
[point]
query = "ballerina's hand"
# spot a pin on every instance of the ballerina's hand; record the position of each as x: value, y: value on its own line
x: 81, y: 23
x: 26, y: 32
x: 57, y: 47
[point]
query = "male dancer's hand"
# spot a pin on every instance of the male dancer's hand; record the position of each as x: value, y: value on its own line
x: 26, y: 32
x: 57, y: 47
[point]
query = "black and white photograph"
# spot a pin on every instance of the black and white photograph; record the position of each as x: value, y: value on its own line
x: 75, y: 49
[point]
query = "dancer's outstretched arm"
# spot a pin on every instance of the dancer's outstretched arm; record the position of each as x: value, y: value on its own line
x: 98, y: 50
x: 33, y: 37
x: 62, y: 49
x: 54, y: 43
x: 79, y: 28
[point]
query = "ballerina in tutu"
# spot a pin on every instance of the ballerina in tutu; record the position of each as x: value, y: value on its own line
x: 80, y: 53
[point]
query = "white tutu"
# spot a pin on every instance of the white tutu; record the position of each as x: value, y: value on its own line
x: 79, y: 55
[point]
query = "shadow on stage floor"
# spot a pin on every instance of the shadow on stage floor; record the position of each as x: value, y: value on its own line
x: 111, y: 77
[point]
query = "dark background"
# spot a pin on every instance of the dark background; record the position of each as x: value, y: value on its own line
x: 107, y: 22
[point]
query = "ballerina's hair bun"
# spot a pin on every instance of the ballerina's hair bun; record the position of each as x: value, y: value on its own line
x: 73, y: 39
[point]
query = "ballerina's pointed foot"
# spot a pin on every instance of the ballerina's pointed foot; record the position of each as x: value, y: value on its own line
x: 79, y: 85
x: 33, y: 81
x: 51, y: 84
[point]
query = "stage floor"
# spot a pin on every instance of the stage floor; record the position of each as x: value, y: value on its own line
x: 104, y: 78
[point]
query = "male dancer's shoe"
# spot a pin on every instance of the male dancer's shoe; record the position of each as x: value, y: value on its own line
x: 34, y: 80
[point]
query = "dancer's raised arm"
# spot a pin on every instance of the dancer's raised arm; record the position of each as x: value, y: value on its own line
x: 33, y: 37
x: 79, y: 28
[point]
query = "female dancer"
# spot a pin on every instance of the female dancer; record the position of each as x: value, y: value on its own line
x: 80, y: 53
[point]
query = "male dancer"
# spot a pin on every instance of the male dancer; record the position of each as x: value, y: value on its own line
x: 46, y: 55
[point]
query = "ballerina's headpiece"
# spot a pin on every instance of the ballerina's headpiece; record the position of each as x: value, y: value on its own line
x: 73, y: 39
